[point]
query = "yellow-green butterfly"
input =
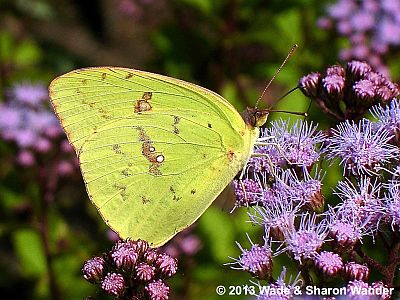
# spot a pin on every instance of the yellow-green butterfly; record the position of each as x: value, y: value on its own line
x: 154, y: 151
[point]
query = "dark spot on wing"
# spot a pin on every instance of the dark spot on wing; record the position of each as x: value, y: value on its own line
x: 176, y: 120
x: 122, y: 190
x: 91, y: 104
x: 230, y: 155
x: 193, y: 191
x: 104, y: 113
x: 176, y: 198
x: 175, y: 128
x: 209, y: 125
x: 103, y: 76
x: 154, y: 170
x: 156, y: 158
x: 147, y: 96
x: 142, y: 135
x: 117, y: 149
x: 143, y: 104
x: 129, y: 75
x: 127, y: 172
x: 144, y: 199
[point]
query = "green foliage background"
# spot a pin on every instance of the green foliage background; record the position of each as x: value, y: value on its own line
x: 230, y: 46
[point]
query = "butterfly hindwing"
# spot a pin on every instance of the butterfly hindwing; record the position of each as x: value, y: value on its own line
x: 154, y: 151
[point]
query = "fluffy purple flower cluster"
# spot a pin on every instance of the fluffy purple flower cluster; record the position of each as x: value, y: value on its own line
x: 347, y: 93
x: 132, y: 270
x: 282, y: 190
x: 372, y: 28
x: 28, y: 122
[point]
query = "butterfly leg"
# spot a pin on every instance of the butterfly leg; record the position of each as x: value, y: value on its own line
x: 265, y: 138
x: 262, y: 142
x: 280, y: 150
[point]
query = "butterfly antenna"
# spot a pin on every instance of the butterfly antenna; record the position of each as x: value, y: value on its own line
x: 287, y: 93
x: 295, y: 46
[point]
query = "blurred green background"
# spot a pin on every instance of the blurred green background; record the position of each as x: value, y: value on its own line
x: 232, y: 47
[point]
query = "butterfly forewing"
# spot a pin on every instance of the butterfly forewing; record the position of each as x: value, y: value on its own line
x: 154, y: 151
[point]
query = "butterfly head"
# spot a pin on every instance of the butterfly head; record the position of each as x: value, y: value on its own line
x: 255, y: 117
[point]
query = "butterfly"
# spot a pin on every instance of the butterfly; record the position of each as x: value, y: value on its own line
x: 154, y: 151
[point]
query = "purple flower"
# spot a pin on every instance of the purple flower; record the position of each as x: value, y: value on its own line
x: 27, y: 121
x: 190, y: 245
x: 363, y: 202
x: 25, y: 137
x: 357, y: 70
x: 380, y: 286
x: 309, y: 84
x: 93, y: 269
x: 334, y: 85
x: 305, y: 191
x: 26, y: 158
x: 186, y: 243
x: 65, y: 167
x: 141, y: 246
x: 329, y: 263
x: 150, y: 256
x: 134, y: 271
x: 166, y: 265
x: 292, y: 145
x: 344, y: 227
x: 362, y: 149
x: 355, y: 271
x: 144, y: 271
x: 10, y: 117
x: 113, y: 284
x: 363, y: 20
x: 157, y: 290
x: 276, y: 216
x: 353, y: 290
x: 389, y: 118
x: 257, y: 260
x: 357, y: 86
x: 285, y: 285
x: 341, y: 9
x: 365, y: 90
x: 305, y: 241
x: 376, y: 21
x: 388, y: 31
x: 336, y: 70
x: 392, y: 204
x: 31, y: 94
x: 124, y: 254
x: 248, y: 192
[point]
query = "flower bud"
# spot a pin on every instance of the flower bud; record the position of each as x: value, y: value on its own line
x: 93, y: 269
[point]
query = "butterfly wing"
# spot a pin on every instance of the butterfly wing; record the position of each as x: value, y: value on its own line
x: 154, y: 151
